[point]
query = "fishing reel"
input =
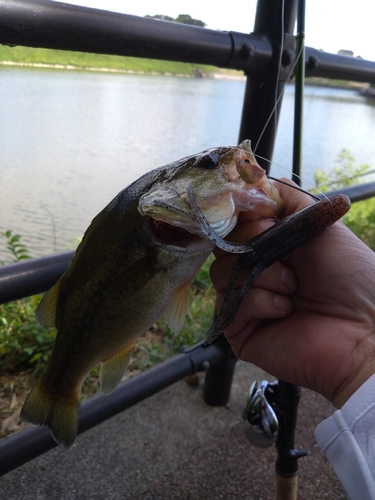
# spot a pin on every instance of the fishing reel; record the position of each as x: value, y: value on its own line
x: 261, y: 424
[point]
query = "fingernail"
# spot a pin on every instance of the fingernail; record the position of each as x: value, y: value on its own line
x: 288, y: 278
x: 282, y: 303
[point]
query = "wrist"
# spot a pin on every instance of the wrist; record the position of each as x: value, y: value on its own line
x: 342, y: 395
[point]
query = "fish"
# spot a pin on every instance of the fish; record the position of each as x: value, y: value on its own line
x: 135, y: 263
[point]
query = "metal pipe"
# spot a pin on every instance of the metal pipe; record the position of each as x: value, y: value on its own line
x: 28, y: 444
x: 326, y: 65
x: 42, y: 23
x: 32, y: 276
x: 355, y: 193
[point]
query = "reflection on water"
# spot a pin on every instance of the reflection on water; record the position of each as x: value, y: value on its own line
x: 70, y: 141
x: 334, y: 119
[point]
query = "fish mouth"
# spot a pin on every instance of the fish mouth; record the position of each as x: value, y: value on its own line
x: 182, y: 229
x: 224, y: 181
x: 167, y: 234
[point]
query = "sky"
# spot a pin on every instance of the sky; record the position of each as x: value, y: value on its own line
x: 331, y: 25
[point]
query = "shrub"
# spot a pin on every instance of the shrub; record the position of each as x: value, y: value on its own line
x: 361, y: 217
x: 23, y: 342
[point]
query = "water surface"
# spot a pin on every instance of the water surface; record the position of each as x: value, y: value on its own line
x: 71, y: 140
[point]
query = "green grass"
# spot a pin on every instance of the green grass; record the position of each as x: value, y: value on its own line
x: 327, y: 82
x: 83, y: 60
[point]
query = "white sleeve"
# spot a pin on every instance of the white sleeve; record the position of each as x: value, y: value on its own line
x: 348, y: 440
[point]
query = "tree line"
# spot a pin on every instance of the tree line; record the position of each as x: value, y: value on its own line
x: 181, y: 18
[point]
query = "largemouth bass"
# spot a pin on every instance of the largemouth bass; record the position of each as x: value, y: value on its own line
x: 134, y: 264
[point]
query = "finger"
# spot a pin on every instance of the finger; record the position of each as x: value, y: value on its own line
x: 239, y: 331
x: 258, y: 303
x: 276, y: 278
x: 293, y: 199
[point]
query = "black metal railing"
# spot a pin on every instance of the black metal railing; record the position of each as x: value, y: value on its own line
x: 41, y: 23
x: 19, y: 448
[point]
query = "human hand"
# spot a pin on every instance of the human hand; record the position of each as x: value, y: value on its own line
x: 309, y: 320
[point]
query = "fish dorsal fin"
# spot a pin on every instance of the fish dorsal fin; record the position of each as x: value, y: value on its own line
x: 177, y: 308
x: 113, y: 369
x: 46, y: 311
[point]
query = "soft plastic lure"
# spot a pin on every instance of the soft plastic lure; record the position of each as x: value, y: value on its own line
x: 267, y: 248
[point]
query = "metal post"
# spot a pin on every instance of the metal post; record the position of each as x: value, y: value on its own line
x: 218, y: 380
x: 274, y: 20
x: 298, y: 99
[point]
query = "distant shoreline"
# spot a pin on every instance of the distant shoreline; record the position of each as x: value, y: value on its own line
x: 221, y: 74
x: 89, y: 68
x: 217, y: 76
x: 84, y: 61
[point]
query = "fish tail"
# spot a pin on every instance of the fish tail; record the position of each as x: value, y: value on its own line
x: 60, y: 415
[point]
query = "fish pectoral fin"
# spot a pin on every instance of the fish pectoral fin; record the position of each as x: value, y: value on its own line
x: 113, y: 369
x: 60, y: 415
x: 46, y: 311
x: 177, y: 308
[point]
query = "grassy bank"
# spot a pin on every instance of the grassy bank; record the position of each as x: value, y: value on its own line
x: 82, y: 60
x: 29, y: 56
x: 337, y: 84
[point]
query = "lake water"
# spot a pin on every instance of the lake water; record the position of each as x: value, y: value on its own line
x: 71, y: 140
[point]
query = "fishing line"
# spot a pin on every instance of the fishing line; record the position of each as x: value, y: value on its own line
x: 277, y: 101
x: 286, y: 169
x: 274, y: 109
x: 294, y: 175
x: 280, y: 59
x: 297, y: 188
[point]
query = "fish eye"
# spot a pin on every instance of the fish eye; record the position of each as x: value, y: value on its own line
x: 209, y: 161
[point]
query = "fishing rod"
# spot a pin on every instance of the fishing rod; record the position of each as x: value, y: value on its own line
x: 270, y: 411
x: 286, y: 485
x: 288, y: 395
